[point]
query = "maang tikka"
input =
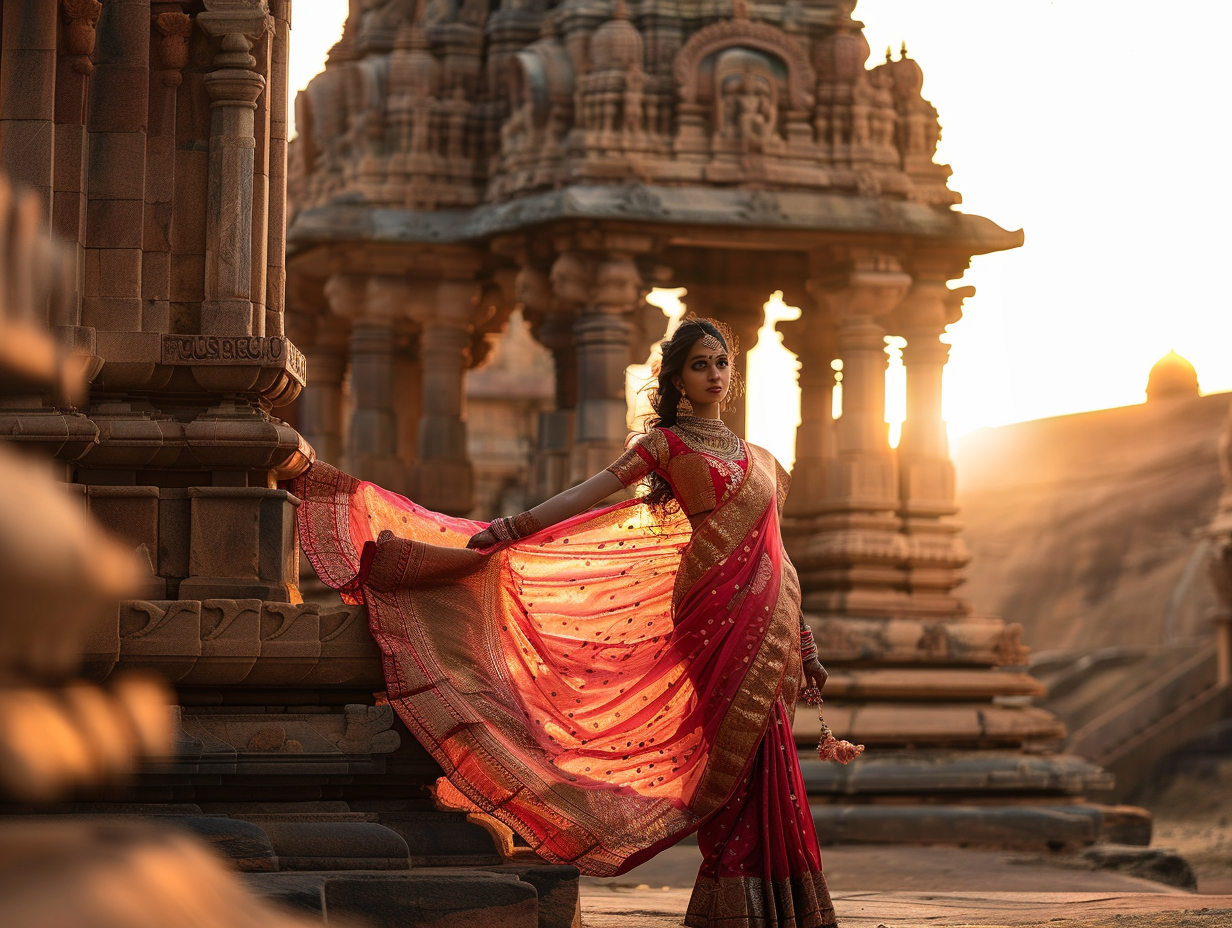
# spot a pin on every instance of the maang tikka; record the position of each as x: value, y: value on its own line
x: 712, y: 343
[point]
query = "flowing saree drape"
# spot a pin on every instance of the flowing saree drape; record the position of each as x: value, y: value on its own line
x: 604, y: 686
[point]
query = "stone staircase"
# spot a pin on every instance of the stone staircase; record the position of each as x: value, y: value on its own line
x: 1165, y: 711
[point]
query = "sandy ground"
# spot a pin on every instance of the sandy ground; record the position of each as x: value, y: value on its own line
x: 913, y: 887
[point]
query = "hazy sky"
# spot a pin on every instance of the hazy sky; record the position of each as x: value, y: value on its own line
x: 1099, y: 127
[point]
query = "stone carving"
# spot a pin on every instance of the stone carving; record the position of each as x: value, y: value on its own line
x: 80, y: 21
x: 173, y: 31
x: 742, y: 33
x: 276, y: 351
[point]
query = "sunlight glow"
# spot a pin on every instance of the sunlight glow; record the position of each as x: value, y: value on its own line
x: 639, y: 378
x: 895, y: 388
x: 1110, y: 278
x: 773, y: 390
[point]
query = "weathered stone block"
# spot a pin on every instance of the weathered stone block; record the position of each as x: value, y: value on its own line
x: 230, y: 642
x: 453, y: 901
x: 443, y: 839
x: 349, y: 654
x: 557, y: 887
x: 156, y: 231
x: 174, y: 520
x: 130, y: 513
x: 114, y: 223
x: 991, y: 826
x: 225, y: 532
x: 117, y: 164
x: 290, y: 644
x: 242, y: 544
x: 246, y: 845
x: 187, y: 276
x: 163, y: 637
x: 119, y: 272
x: 26, y: 151
x: 118, y: 97
x: 337, y: 846
x: 28, y: 75
x: 68, y: 214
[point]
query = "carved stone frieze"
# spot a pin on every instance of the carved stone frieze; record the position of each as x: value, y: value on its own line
x: 240, y: 642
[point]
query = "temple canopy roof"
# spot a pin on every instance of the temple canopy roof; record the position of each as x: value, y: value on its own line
x: 449, y: 122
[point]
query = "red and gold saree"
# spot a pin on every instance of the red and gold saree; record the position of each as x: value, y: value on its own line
x: 603, y: 687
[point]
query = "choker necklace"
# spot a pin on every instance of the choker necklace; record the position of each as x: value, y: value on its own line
x: 711, y: 436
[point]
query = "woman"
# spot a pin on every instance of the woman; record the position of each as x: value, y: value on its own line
x: 607, y: 682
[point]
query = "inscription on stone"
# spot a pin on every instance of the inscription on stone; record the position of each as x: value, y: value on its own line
x: 274, y: 351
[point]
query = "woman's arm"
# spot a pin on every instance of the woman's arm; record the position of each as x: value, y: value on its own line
x: 562, y: 506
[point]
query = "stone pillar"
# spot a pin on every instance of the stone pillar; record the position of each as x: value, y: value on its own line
x: 233, y: 88
x: 276, y: 161
x: 850, y: 559
x: 172, y: 27
x: 609, y: 287
x: 926, y: 473
x: 741, y: 309
x: 812, y: 339
x: 445, y: 477
x: 373, y: 305
x: 551, y: 322
x: 321, y: 404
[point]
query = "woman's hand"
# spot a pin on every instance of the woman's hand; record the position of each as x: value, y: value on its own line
x: 815, y: 674
x: 484, y: 539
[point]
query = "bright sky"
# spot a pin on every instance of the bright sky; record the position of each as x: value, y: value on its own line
x: 1100, y: 128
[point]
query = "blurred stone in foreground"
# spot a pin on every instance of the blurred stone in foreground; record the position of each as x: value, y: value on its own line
x: 61, y: 576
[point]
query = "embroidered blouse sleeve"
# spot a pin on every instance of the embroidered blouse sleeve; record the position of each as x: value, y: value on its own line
x: 647, y: 453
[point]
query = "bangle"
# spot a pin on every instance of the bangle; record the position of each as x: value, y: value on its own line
x: 808, y: 647
x: 511, y: 529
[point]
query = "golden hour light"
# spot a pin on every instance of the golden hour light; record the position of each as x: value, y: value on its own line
x: 539, y: 463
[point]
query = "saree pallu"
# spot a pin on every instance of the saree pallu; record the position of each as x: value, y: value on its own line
x: 602, y: 687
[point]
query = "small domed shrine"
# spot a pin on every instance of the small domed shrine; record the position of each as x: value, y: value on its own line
x: 1171, y: 377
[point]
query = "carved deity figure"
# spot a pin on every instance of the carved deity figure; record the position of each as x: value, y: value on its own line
x: 748, y: 109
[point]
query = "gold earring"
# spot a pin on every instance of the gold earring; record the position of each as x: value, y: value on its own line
x: 684, y: 407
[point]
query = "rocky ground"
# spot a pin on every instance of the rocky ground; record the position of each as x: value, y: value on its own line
x: 1192, y: 812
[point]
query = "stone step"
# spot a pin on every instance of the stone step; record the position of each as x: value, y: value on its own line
x: 509, y: 895
x: 951, y: 773
x: 969, y: 641
x: 1041, y: 827
x: 935, y: 724
x: 928, y: 683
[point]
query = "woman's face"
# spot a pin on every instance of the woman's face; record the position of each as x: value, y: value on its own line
x: 705, y: 377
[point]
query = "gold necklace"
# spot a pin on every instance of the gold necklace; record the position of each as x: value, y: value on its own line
x: 710, y: 436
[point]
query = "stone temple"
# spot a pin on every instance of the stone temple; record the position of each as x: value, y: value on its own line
x: 238, y: 303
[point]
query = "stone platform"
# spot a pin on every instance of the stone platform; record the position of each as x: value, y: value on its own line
x: 650, y: 909
x: 902, y: 886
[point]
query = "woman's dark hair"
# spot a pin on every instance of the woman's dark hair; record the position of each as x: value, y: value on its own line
x: 665, y: 396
